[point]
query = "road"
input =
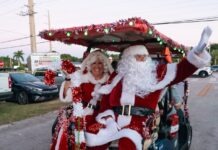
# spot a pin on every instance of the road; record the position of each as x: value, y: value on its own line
x: 34, y: 133
x: 203, y: 108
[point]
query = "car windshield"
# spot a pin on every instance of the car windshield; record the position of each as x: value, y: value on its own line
x: 24, y: 77
x: 214, y: 66
x: 42, y: 73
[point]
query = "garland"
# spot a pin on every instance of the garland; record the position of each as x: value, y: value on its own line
x: 78, y: 119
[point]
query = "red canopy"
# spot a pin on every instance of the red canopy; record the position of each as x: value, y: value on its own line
x: 116, y: 36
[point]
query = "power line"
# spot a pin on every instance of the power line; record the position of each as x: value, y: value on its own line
x: 22, y: 45
x: 18, y: 39
x: 205, y: 19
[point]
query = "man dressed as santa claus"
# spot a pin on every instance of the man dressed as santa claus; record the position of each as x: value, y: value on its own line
x: 132, y: 94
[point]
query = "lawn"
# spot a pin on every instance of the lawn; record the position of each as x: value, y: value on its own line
x: 10, y: 112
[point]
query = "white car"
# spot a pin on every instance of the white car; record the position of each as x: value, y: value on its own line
x: 5, y: 87
x: 203, y: 72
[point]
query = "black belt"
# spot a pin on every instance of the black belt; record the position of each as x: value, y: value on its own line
x: 95, y: 107
x: 129, y: 110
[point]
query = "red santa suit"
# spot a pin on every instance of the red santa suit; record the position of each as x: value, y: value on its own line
x: 88, y: 84
x: 129, y: 110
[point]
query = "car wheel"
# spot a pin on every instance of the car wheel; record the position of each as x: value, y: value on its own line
x: 203, y: 74
x: 189, y: 141
x: 22, y: 97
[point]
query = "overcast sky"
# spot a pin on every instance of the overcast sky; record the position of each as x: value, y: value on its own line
x: 69, y: 13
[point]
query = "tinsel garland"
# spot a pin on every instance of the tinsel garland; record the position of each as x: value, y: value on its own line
x: 68, y: 66
x: 78, y: 118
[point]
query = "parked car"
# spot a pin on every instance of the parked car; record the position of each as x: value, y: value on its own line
x: 203, y: 72
x: 7, y: 69
x: 5, y: 87
x: 40, y: 73
x: 214, y: 68
x: 27, y: 88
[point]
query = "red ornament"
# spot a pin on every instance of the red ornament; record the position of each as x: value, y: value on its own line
x: 68, y: 66
x: 77, y: 94
x: 49, y: 77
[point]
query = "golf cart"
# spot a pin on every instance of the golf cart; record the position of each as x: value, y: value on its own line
x: 120, y: 35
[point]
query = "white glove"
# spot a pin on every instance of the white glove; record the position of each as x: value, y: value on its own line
x: 205, y: 35
x: 87, y: 111
x: 111, y: 123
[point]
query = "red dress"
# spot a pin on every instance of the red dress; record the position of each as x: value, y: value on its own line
x: 63, y: 136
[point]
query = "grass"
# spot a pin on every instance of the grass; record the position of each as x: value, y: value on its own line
x: 11, y: 112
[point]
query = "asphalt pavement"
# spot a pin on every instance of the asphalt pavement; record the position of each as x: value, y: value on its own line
x: 29, y: 134
x: 35, y: 133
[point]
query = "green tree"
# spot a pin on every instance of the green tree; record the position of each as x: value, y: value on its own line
x: 6, y: 60
x: 66, y: 57
x: 18, y: 56
x: 214, y: 53
x: 71, y: 58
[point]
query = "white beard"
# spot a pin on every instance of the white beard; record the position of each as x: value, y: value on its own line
x: 139, y: 77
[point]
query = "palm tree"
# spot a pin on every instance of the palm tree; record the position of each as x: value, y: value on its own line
x: 18, y: 56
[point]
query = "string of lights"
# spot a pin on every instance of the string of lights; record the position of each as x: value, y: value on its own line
x: 196, y: 20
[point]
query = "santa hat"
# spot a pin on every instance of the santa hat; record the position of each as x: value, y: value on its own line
x: 135, y: 50
x: 92, y: 57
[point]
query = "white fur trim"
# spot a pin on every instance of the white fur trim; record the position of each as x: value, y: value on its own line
x: 76, y: 79
x: 68, y: 97
x: 60, y: 134
x: 199, y: 60
x: 106, y: 89
x: 135, y: 50
x: 107, y: 135
x: 78, y: 109
x: 88, y: 77
x: 99, y: 117
x: 123, y: 121
x: 163, y: 92
x: 170, y: 76
x: 92, y: 57
x: 88, y: 111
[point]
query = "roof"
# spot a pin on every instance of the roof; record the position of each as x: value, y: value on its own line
x: 116, y: 36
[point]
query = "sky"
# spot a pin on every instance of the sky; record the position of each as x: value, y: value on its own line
x: 71, y: 13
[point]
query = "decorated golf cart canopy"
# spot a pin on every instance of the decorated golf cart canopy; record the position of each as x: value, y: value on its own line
x: 116, y: 36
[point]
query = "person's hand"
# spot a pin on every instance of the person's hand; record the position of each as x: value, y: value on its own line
x: 111, y: 123
x: 66, y: 75
x: 205, y: 35
x: 88, y: 111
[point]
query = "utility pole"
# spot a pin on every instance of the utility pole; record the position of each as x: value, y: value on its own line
x: 31, y: 13
x: 32, y: 26
x: 49, y: 27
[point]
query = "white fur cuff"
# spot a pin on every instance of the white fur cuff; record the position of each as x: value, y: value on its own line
x: 68, y: 97
x: 199, y: 60
x: 106, y: 113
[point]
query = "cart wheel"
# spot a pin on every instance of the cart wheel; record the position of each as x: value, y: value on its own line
x: 185, y: 136
x: 22, y: 98
x: 54, y: 126
x: 189, y: 141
